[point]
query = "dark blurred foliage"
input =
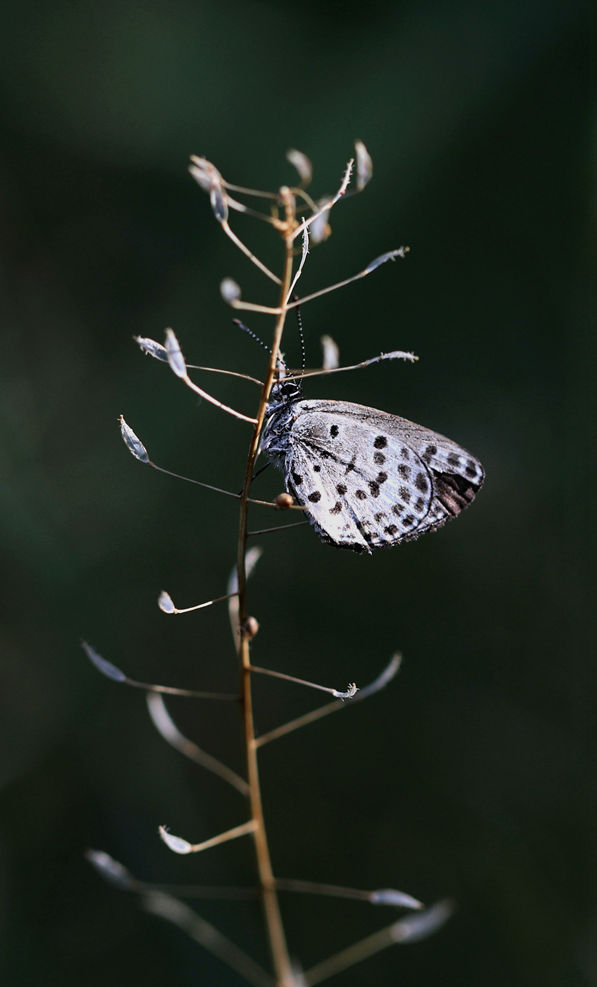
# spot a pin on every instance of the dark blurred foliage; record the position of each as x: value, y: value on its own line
x: 474, y: 775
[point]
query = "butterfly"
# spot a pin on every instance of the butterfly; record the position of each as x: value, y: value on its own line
x: 366, y: 478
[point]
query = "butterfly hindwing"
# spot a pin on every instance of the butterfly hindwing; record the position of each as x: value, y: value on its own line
x: 369, y: 478
x: 457, y: 475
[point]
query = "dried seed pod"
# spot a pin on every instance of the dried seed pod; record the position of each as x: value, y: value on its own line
x: 364, y: 165
x: 133, y: 442
x: 302, y: 164
x: 229, y: 290
x: 331, y: 353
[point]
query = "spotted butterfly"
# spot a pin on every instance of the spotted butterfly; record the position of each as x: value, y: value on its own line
x: 365, y: 477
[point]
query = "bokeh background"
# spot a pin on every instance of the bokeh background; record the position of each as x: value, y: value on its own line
x: 473, y: 776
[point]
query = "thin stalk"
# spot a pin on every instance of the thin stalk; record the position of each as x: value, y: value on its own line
x: 269, y: 896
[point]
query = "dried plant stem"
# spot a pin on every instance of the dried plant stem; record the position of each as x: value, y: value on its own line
x: 248, y: 253
x: 413, y: 927
x: 300, y: 721
x: 167, y: 729
x: 207, y: 936
x: 337, y: 693
x: 157, y: 898
x: 273, y: 919
x: 313, y: 887
x: 229, y: 834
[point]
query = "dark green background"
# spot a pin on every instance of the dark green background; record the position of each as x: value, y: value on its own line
x: 474, y: 775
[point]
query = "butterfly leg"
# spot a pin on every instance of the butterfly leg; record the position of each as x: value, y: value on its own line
x: 256, y: 474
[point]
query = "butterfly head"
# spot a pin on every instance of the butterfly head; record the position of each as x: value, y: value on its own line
x: 282, y: 394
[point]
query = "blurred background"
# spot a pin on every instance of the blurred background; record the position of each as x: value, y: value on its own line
x: 473, y: 775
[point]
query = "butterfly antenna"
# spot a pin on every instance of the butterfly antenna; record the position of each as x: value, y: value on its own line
x: 253, y: 335
x: 299, y: 320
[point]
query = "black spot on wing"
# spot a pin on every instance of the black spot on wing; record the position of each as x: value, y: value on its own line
x: 314, y: 497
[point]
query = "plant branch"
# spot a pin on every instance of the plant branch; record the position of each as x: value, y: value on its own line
x: 167, y: 729
x: 409, y: 929
x: 179, y: 845
x: 208, y: 936
x: 326, y: 206
x: 277, y: 527
x: 166, y: 603
x: 386, y: 896
x: 325, y: 371
x: 179, y: 367
x: 336, y: 693
x: 248, y: 253
x: 117, y: 675
x: 380, y: 682
x: 116, y: 874
x: 390, y: 255
x: 273, y: 918
x: 377, y: 262
x: 228, y: 373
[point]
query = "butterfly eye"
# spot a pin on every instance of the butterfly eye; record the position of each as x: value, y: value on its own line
x: 289, y: 390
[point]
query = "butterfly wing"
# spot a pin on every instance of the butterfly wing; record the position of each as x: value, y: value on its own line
x: 369, y: 478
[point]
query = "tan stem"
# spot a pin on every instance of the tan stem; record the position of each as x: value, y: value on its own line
x: 273, y: 918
